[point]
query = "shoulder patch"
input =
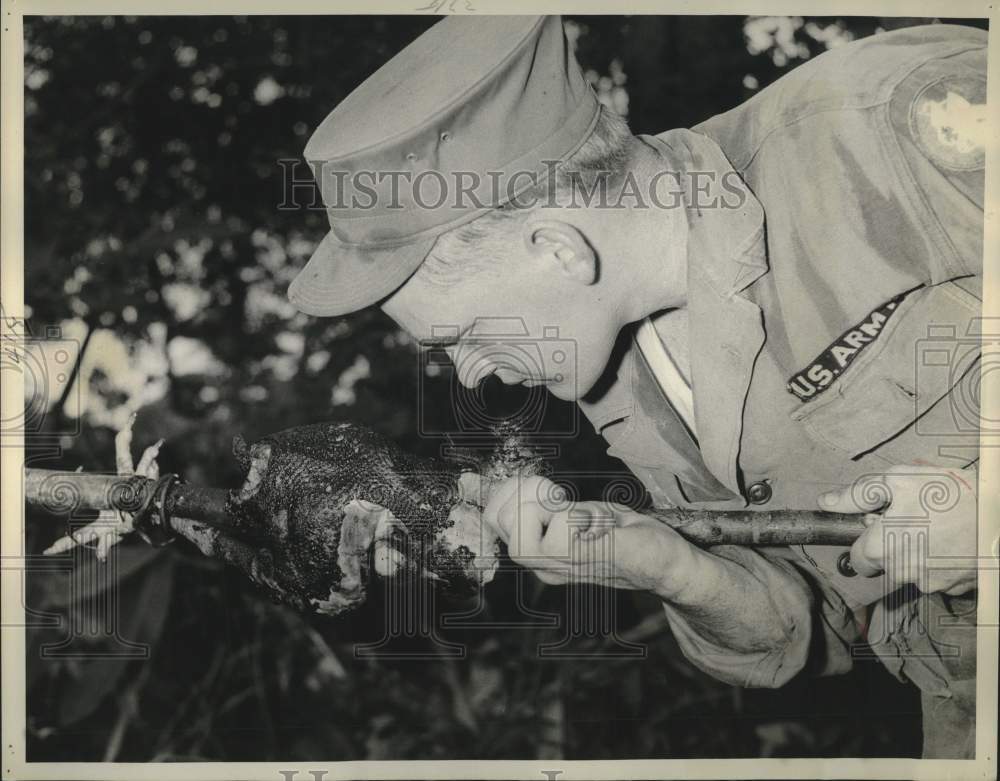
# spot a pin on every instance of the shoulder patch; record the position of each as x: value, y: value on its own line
x: 831, y: 363
x: 948, y: 122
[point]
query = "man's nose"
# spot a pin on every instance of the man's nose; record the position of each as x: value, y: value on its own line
x: 507, y: 376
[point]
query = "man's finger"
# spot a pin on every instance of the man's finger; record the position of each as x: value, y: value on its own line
x: 578, y: 518
x: 864, y: 496
x: 560, y: 530
x: 867, y: 553
x: 526, y: 522
x: 501, y: 509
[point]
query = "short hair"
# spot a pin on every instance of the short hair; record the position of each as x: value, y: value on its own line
x: 475, y: 245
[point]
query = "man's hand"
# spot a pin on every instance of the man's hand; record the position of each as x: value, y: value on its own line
x: 588, y: 542
x: 925, y: 515
x: 737, y: 614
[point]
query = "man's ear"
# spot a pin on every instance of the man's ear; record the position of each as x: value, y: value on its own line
x: 565, y: 246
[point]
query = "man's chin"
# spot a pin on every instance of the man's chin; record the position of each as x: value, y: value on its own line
x: 567, y: 390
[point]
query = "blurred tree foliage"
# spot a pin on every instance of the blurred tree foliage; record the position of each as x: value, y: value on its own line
x: 154, y: 226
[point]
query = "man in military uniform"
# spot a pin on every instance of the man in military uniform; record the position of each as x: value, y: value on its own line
x: 798, y: 284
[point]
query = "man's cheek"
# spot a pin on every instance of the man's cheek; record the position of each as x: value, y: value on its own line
x: 588, y: 364
x: 562, y: 390
x: 570, y: 385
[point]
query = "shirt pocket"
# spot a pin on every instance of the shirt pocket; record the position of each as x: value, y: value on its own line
x: 924, y: 352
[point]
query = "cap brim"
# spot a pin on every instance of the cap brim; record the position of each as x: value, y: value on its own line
x: 341, y: 278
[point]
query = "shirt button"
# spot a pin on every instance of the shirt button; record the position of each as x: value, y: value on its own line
x: 759, y: 492
x: 844, y: 565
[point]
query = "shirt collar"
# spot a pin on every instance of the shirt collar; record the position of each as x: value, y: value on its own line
x: 725, y: 252
x: 725, y: 223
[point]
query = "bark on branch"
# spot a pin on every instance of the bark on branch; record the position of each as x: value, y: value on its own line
x: 61, y: 493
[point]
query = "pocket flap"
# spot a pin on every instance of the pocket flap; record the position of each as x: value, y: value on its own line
x: 925, y: 350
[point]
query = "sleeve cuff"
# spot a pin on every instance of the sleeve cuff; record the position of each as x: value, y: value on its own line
x: 789, y: 603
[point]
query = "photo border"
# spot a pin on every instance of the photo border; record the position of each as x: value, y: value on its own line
x: 12, y: 680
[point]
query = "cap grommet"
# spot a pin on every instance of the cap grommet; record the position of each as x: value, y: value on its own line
x: 445, y: 135
x: 411, y: 156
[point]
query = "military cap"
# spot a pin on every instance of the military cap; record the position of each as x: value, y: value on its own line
x: 480, y: 102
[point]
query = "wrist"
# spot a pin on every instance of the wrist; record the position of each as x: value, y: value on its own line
x: 684, y: 567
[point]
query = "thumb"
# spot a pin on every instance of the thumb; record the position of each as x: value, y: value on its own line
x: 495, y: 513
x: 863, y: 496
x: 867, y: 553
x: 516, y: 491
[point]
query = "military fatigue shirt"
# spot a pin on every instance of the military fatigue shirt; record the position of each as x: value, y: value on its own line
x: 834, y: 326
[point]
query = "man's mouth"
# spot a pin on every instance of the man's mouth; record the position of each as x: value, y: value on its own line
x: 472, y: 373
x: 511, y: 377
x: 475, y: 379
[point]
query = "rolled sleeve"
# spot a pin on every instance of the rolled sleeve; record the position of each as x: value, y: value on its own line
x: 817, y: 627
